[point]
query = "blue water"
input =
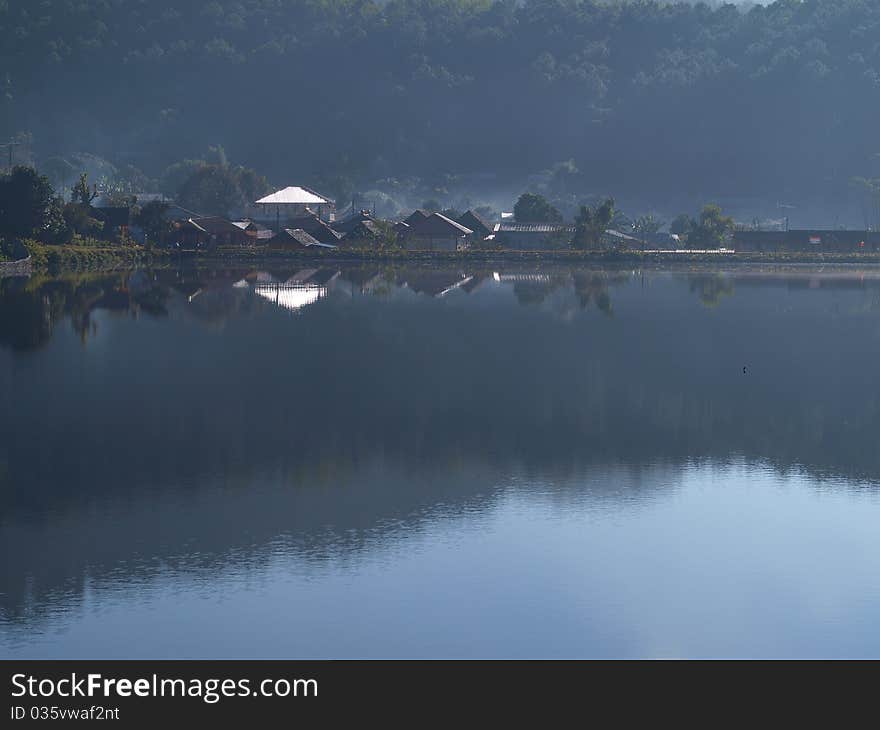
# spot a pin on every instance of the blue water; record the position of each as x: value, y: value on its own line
x: 405, y: 465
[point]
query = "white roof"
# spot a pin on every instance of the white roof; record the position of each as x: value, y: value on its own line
x: 294, y: 195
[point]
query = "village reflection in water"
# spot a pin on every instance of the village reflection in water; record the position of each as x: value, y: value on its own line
x: 222, y: 453
x: 30, y: 308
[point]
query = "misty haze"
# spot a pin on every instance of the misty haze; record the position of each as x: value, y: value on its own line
x: 439, y: 329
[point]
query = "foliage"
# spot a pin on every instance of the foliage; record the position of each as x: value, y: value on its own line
x: 82, y: 194
x: 152, y: 218
x: 620, y: 90
x: 682, y: 225
x: 25, y: 201
x: 85, y: 254
x: 214, y: 189
x: 591, y: 223
x: 646, y: 227
x: 386, y: 239
x: 78, y: 219
x: 534, y: 208
x: 711, y: 229
x: 38, y: 253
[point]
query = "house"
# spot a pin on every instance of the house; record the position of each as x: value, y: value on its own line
x: 366, y: 232
x: 257, y: 233
x: 295, y: 239
x: 532, y: 236
x: 359, y: 228
x: 436, y: 232
x: 348, y: 224
x: 172, y: 212
x: 471, y: 220
x: 207, y: 232
x: 616, y: 239
x: 315, y: 227
x: 294, y: 201
x: 416, y: 216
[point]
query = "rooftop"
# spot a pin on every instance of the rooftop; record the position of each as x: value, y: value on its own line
x: 437, y: 224
x: 505, y: 227
x: 294, y: 195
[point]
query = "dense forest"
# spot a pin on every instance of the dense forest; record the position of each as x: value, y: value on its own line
x: 654, y: 102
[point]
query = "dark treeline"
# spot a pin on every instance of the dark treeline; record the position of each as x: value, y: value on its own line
x: 645, y: 97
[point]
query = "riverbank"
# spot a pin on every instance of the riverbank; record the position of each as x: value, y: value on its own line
x: 92, y: 256
x: 21, y: 267
x: 100, y: 256
x: 241, y: 255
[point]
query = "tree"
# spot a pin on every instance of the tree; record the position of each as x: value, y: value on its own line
x: 177, y: 174
x: 79, y: 219
x: 57, y: 229
x: 712, y: 228
x: 591, y: 223
x: 211, y: 190
x: 681, y: 226
x: 535, y: 208
x: 151, y: 217
x: 645, y: 227
x: 220, y: 189
x: 82, y: 194
x: 78, y: 212
x: 25, y: 202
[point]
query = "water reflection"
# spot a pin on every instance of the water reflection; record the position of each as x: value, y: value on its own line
x: 178, y: 427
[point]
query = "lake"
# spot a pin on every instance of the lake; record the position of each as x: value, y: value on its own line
x: 402, y: 462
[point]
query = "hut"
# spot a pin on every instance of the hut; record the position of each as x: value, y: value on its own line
x: 436, y: 232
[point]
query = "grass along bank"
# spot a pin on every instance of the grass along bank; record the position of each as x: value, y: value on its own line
x: 91, y: 255
x: 255, y: 256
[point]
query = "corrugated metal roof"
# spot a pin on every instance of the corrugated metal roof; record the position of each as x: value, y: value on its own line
x: 294, y: 195
x: 531, y: 227
x: 301, y: 236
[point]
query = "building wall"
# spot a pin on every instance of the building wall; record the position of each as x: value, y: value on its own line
x: 267, y: 215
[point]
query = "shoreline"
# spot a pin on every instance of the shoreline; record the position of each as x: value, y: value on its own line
x: 534, y: 257
x: 56, y: 259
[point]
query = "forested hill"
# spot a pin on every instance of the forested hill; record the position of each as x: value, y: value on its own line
x: 781, y: 99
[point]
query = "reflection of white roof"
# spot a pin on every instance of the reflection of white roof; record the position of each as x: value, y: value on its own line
x: 294, y: 195
x: 290, y: 296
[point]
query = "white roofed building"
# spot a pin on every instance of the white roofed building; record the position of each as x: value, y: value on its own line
x: 295, y: 201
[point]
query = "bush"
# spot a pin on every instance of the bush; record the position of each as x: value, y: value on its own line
x: 37, y: 252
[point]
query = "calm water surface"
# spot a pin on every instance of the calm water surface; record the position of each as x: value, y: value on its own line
x: 426, y: 463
